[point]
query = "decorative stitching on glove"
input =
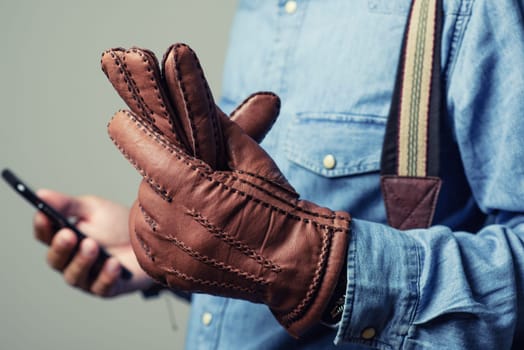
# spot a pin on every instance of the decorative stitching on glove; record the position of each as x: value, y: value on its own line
x: 173, y: 271
x: 204, y: 171
x: 161, y: 191
x: 145, y: 247
x: 188, y: 109
x: 150, y: 67
x: 301, y: 308
x: 149, y: 220
x: 282, y: 211
x: 131, y: 86
x: 213, y: 262
x: 208, y: 283
x: 227, y: 238
x: 271, y: 182
x: 188, y: 104
x: 202, y: 258
x: 211, y: 106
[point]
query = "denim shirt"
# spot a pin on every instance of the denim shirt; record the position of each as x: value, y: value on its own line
x: 456, y: 285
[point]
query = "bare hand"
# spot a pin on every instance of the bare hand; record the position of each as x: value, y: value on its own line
x: 106, y: 225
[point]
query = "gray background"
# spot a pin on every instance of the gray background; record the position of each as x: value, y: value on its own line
x: 55, y: 104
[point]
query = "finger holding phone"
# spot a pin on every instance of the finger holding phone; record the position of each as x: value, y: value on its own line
x: 88, y: 240
x: 105, y: 224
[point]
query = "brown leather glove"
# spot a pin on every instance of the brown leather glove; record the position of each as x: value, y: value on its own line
x: 214, y: 214
x: 179, y: 104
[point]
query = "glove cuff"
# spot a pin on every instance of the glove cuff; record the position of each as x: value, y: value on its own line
x: 329, y: 268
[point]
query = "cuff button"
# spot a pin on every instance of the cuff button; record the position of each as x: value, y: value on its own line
x: 368, y: 333
x: 207, y: 318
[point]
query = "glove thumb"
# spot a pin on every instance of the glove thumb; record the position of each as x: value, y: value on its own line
x: 257, y: 114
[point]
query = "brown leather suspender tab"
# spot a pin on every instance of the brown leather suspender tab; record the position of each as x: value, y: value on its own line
x: 410, y: 155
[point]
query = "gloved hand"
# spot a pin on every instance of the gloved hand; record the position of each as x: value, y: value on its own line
x: 214, y: 214
x: 180, y: 105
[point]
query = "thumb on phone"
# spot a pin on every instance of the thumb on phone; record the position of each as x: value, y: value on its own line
x: 66, y: 205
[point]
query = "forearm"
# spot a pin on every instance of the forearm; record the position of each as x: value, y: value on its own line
x: 433, y: 286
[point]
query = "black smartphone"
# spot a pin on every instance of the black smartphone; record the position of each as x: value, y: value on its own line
x: 59, y: 221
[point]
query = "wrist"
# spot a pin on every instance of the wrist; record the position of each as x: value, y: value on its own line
x: 153, y: 290
x: 332, y: 315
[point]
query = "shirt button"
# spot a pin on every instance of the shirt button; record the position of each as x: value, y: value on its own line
x: 207, y: 318
x: 368, y: 333
x: 329, y: 161
x: 291, y: 6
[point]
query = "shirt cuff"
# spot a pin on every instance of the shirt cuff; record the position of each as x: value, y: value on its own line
x: 383, y: 273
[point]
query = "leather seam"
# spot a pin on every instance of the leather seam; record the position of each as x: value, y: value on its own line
x: 155, y: 186
x: 131, y: 85
x: 208, y: 283
x: 271, y: 182
x: 158, y: 138
x: 150, y: 68
x: 206, y: 260
x: 187, y: 106
x: 298, y: 312
x: 149, y: 220
x: 211, y: 261
x: 211, y: 108
x: 232, y: 242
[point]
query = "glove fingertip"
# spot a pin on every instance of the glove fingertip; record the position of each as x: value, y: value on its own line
x: 107, y: 58
x: 257, y: 114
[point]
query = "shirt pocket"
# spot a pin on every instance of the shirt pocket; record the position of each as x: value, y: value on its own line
x: 335, y: 144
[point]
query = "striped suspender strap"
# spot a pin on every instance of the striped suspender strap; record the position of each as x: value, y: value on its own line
x: 410, y: 155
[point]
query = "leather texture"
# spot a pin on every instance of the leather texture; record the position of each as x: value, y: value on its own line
x: 410, y: 201
x: 214, y: 214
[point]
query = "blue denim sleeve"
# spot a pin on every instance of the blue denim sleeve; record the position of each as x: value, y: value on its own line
x: 435, y: 288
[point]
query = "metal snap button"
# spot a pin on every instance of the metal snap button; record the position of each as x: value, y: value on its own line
x: 329, y: 161
x: 291, y: 6
x: 207, y: 318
